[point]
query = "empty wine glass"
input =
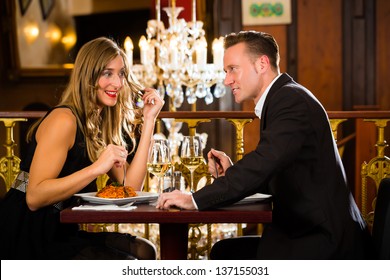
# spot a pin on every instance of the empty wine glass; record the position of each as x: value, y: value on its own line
x: 159, y: 161
x: 191, y: 155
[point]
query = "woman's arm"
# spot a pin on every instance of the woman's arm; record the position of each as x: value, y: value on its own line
x: 55, y: 137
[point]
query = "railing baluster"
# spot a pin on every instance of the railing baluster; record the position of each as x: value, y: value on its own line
x: 239, y: 124
x: 10, y: 164
x: 376, y: 169
x: 334, y: 124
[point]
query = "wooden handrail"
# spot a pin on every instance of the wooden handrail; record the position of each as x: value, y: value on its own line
x: 22, y: 114
x: 358, y: 114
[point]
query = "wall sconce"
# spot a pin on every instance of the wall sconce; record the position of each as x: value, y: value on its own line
x: 69, y: 39
x: 31, y: 31
x: 53, y: 33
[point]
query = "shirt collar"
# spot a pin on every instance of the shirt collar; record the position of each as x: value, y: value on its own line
x: 260, y: 104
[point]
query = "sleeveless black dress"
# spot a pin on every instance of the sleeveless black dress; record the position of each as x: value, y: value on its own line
x: 26, y: 234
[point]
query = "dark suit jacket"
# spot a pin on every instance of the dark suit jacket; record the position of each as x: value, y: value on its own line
x: 297, y: 162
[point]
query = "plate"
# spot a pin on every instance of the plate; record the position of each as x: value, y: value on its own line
x: 141, y: 197
x: 253, y: 198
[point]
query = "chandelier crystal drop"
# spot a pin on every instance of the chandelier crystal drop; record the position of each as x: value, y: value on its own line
x: 174, y: 59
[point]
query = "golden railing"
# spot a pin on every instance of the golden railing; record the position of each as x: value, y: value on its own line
x: 9, y: 163
x: 376, y: 169
x: 365, y: 130
x: 372, y: 164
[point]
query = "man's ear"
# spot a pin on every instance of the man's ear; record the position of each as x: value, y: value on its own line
x: 262, y: 63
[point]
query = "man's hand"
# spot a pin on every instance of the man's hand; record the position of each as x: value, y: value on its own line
x: 218, y: 162
x: 175, y: 198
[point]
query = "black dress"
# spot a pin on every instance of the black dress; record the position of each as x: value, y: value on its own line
x: 26, y: 234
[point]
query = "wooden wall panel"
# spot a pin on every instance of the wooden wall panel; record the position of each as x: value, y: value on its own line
x: 382, y: 73
x: 383, y: 54
x: 319, y: 46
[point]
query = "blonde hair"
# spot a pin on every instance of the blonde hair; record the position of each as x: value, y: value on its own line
x: 112, y: 124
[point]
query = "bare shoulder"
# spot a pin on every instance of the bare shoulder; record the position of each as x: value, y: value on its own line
x: 62, y: 114
x: 60, y: 123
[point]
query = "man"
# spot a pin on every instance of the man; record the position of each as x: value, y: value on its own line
x: 296, y: 161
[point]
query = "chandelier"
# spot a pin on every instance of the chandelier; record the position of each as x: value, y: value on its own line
x: 174, y: 59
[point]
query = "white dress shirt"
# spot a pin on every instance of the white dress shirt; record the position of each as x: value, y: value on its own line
x: 260, y: 103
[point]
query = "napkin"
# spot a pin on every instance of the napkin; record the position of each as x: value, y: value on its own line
x: 105, y: 207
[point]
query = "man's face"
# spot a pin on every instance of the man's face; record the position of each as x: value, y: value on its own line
x: 241, y: 74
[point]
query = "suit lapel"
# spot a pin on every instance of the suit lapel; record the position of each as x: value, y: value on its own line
x: 280, y: 82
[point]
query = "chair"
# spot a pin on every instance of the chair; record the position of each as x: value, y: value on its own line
x: 381, y: 226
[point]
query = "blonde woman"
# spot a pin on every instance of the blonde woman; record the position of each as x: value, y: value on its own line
x: 91, y: 132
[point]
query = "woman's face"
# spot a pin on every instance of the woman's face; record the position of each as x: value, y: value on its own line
x: 110, y: 82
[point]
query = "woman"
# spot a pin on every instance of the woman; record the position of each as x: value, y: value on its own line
x: 90, y: 133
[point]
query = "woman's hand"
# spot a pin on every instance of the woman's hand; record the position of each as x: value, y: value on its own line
x: 112, y: 156
x: 152, y: 103
x: 218, y: 162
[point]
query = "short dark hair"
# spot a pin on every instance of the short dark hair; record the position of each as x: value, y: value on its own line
x: 257, y: 43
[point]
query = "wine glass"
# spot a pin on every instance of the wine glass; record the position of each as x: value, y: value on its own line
x: 159, y: 161
x: 191, y: 155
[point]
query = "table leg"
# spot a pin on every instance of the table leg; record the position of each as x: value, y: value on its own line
x: 173, y: 241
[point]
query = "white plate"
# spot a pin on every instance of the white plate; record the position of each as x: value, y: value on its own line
x: 254, y: 198
x: 141, y: 197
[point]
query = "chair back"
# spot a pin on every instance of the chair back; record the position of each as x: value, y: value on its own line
x: 381, y: 226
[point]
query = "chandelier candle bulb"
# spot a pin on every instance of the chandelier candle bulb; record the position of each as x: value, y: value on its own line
x: 193, y: 11
x: 151, y: 54
x: 158, y: 13
x: 174, y: 53
x: 144, y: 47
x: 218, y: 53
x: 129, y: 50
x: 201, y: 53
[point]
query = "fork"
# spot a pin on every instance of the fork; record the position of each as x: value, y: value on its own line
x: 215, y: 164
x: 124, y: 174
x: 126, y: 205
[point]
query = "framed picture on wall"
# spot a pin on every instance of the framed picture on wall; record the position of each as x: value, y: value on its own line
x: 46, y: 7
x: 23, y: 4
x: 272, y: 12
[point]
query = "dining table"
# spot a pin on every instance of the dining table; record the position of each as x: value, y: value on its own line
x: 174, y: 222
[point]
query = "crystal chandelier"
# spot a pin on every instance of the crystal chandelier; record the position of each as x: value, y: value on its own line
x: 174, y: 59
